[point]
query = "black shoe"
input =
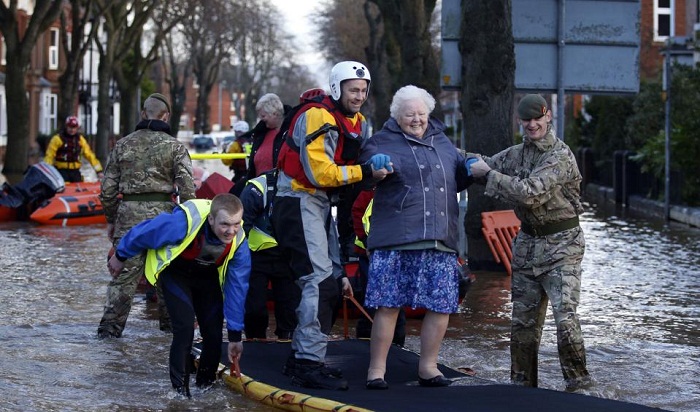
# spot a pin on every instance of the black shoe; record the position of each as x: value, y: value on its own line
x: 205, y: 377
x: 310, y: 374
x: 183, y: 391
x: 328, y: 370
x: 335, y: 372
x: 204, y: 387
x: 103, y: 334
x: 435, y: 382
x: 378, y: 383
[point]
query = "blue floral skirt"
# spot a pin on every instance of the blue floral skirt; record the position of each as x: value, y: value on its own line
x: 416, y: 278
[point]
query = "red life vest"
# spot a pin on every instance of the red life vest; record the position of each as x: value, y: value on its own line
x: 70, y: 150
x: 198, y: 245
x: 346, y: 152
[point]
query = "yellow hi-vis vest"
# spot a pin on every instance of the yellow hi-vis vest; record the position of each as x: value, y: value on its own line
x: 258, y: 239
x: 196, y: 211
x: 365, y: 223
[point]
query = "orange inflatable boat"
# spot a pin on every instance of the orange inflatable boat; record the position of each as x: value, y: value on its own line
x: 7, y: 214
x: 78, y: 204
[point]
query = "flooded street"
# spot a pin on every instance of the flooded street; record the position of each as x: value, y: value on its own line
x: 640, y: 315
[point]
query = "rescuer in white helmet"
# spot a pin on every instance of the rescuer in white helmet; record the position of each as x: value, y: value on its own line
x: 316, y: 162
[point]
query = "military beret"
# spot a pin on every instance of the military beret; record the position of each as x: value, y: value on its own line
x: 162, y: 98
x: 532, y: 106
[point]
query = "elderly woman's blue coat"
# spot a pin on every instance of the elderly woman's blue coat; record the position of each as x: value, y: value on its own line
x: 418, y: 202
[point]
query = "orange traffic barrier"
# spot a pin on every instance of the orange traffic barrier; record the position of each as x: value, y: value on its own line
x: 499, y: 229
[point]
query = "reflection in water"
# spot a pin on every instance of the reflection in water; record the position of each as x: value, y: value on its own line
x: 639, y: 314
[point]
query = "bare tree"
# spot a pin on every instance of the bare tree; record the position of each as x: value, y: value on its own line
x: 211, y: 31
x: 266, y: 60
x: 140, y: 51
x: 178, y: 68
x: 290, y: 81
x: 394, y: 40
x: 20, y: 41
x: 113, y: 47
x: 351, y: 31
x: 83, y: 17
x: 410, y: 56
x: 488, y: 67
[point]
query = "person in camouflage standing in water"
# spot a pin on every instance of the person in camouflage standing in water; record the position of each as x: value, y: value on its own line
x: 142, y: 174
x: 541, y: 178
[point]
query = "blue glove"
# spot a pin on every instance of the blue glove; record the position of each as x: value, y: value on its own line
x: 468, y: 163
x: 380, y: 161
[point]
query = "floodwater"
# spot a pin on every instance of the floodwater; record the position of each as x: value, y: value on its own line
x: 639, y: 312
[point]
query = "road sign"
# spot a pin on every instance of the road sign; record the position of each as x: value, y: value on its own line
x: 596, y: 50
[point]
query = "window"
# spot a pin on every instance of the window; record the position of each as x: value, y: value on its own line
x: 662, y: 20
x: 50, y: 113
x: 53, y: 48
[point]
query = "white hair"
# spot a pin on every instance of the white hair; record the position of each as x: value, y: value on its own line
x: 408, y: 93
x: 271, y: 104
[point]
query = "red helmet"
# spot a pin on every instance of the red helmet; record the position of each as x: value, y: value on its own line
x: 311, y: 93
x: 72, y: 121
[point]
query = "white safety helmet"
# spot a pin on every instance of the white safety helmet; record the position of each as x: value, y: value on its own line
x: 241, y: 126
x: 347, y: 70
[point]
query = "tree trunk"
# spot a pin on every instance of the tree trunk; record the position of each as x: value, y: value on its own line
x: 380, y: 89
x: 418, y: 58
x: 18, y: 127
x: 104, y: 107
x: 406, y: 53
x: 178, y: 95
x: 18, y: 50
x: 488, y: 63
x: 203, y: 125
x: 66, y: 99
x: 129, y: 107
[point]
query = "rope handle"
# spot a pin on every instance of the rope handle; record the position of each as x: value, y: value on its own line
x: 345, y: 313
x: 235, y: 370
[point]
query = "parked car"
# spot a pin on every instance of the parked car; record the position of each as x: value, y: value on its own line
x: 202, y: 142
x: 219, y: 137
x: 227, y: 141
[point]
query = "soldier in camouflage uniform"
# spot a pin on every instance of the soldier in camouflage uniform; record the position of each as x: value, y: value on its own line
x: 142, y: 173
x: 541, y: 178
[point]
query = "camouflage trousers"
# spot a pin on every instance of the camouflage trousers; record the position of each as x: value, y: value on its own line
x: 530, y: 296
x: 120, y: 294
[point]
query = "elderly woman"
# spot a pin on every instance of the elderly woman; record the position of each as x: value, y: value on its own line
x: 414, y: 232
x: 266, y: 139
x: 266, y: 142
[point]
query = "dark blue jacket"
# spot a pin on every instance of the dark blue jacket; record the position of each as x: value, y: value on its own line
x: 418, y: 201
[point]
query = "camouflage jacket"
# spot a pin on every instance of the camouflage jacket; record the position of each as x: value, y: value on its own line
x: 542, y: 181
x: 146, y: 161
